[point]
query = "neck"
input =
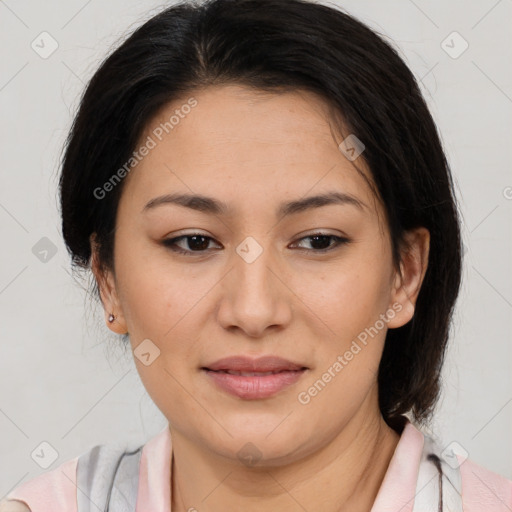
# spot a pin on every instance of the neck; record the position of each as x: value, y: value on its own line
x: 345, y: 474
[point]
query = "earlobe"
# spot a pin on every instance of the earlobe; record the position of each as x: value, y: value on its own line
x: 114, y: 317
x: 413, y: 267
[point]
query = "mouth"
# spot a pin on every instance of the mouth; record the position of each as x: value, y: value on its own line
x: 249, y: 374
x: 252, y: 379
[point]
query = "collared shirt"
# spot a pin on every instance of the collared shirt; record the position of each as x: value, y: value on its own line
x: 420, y: 478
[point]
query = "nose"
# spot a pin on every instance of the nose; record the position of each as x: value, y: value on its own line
x: 255, y: 297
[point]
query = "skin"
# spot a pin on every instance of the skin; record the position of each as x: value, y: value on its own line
x: 253, y: 151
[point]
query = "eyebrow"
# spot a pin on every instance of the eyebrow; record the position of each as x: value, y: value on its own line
x: 213, y: 206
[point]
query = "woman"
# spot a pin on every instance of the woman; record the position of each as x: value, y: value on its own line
x: 262, y: 196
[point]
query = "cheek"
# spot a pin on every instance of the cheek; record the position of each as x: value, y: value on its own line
x: 349, y: 296
x: 350, y: 339
x: 156, y: 296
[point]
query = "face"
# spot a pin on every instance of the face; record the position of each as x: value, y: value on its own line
x: 256, y: 268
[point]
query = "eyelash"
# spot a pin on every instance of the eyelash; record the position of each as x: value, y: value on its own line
x: 171, y: 243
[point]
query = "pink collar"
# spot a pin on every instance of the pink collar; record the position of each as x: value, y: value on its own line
x: 398, y: 488
x: 396, y: 492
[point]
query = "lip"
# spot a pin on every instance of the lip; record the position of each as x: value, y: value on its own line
x: 254, y: 387
x: 259, y: 364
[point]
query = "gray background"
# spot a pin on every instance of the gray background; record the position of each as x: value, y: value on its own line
x: 64, y: 381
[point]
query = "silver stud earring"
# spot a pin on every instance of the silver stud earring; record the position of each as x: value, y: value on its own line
x: 111, y: 318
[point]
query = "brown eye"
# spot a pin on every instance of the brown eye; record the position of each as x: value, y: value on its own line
x: 323, y: 242
x: 195, y: 243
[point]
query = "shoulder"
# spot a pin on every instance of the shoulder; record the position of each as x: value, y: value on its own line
x: 95, y: 472
x: 53, y: 490
x: 13, y: 506
x: 484, y: 489
x: 480, y: 488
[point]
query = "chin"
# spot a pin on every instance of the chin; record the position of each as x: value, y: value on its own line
x: 261, y: 444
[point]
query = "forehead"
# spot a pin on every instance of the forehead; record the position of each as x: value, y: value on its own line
x: 233, y: 142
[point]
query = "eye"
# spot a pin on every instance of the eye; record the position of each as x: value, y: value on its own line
x: 322, y: 242
x: 196, y: 242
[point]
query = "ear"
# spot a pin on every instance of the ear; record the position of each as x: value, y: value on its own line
x: 108, y: 291
x: 407, y: 282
